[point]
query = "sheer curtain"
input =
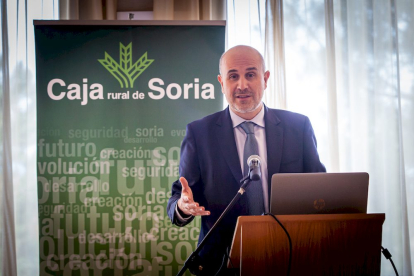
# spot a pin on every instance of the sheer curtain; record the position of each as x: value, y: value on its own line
x: 375, y: 99
x: 349, y: 66
x: 18, y: 199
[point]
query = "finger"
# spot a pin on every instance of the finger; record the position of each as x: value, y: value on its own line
x: 192, y: 205
x: 184, y: 184
x: 188, y: 207
x: 200, y: 212
x: 197, y: 211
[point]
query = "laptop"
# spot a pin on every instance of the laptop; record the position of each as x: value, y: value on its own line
x: 319, y: 193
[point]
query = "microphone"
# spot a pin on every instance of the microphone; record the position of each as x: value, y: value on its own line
x: 193, y: 262
x: 254, y: 167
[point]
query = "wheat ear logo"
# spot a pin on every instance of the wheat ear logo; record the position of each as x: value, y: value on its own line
x: 126, y: 72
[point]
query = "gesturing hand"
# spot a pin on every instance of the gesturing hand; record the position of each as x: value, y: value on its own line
x: 186, y: 202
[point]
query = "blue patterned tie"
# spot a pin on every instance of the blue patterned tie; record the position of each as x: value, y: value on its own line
x: 254, y: 191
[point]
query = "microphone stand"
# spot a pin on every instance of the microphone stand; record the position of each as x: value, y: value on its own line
x: 190, y: 263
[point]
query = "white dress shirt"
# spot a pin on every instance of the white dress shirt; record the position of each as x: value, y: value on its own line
x: 260, y: 133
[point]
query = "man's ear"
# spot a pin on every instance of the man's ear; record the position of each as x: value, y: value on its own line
x: 266, y: 77
x: 220, y: 80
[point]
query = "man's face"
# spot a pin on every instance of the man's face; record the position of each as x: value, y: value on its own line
x: 243, y: 81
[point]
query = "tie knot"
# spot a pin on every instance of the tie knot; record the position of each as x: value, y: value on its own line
x: 248, y: 127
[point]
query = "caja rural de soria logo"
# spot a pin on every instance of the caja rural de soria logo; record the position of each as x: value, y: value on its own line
x: 125, y: 72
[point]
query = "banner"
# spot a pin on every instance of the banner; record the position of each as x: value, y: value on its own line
x: 112, y: 106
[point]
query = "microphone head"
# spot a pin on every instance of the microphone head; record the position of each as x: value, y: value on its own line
x: 254, y: 158
x: 254, y: 167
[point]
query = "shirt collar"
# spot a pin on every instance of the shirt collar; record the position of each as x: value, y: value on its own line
x: 258, y: 119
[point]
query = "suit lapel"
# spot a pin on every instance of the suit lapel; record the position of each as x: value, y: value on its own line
x: 274, y: 143
x: 227, y: 143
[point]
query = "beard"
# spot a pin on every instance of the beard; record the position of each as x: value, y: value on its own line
x: 252, y: 104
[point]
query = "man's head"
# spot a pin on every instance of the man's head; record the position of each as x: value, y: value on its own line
x: 243, y: 80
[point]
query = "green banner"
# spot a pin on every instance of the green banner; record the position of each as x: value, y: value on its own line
x: 112, y: 106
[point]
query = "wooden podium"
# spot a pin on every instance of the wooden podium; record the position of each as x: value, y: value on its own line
x: 348, y: 244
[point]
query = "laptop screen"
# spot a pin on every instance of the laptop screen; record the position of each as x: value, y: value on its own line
x: 319, y: 193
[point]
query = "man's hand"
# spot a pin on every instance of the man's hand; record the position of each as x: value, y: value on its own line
x: 186, y: 203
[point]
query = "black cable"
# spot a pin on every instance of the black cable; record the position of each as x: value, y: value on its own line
x: 290, y: 241
x: 222, y: 263
x: 225, y: 258
x: 231, y: 262
x: 388, y: 256
x: 221, y: 266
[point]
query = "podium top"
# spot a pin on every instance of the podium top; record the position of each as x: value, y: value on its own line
x: 314, y: 218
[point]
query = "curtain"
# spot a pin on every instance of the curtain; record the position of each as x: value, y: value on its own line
x: 162, y: 9
x: 375, y: 93
x: 349, y: 66
x: 19, y: 249
x: 88, y: 10
x: 189, y: 9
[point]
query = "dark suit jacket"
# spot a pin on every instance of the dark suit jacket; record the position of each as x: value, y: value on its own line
x: 210, y: 163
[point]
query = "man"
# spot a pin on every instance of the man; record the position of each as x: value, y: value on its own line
x: 212, y: 161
